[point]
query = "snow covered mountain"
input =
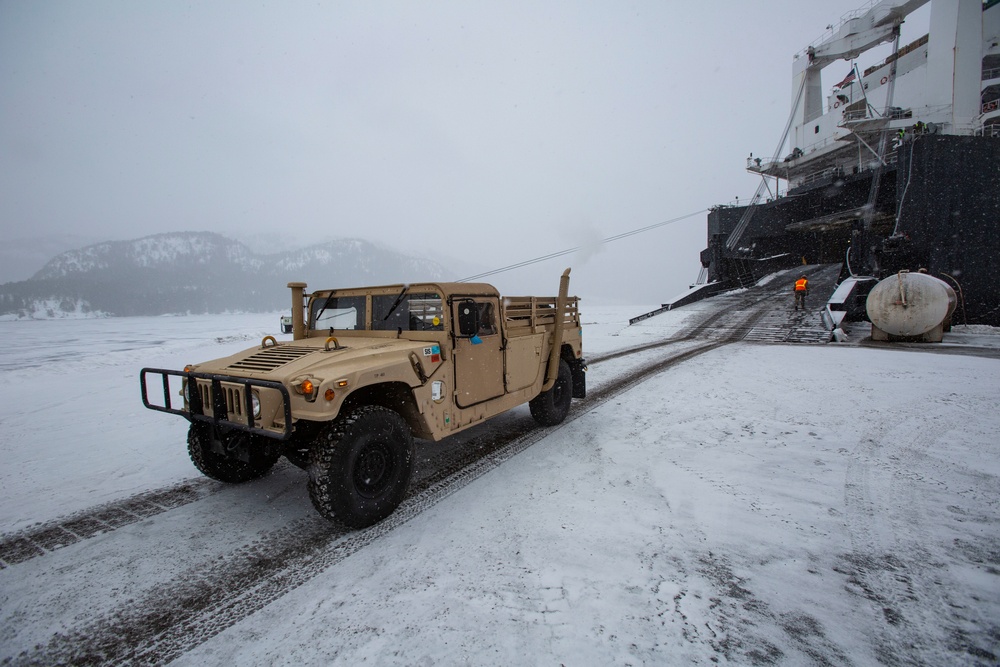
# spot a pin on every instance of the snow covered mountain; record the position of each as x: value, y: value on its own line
x: 165, y: 251
x: 22, y: 254
x: 197, y: 272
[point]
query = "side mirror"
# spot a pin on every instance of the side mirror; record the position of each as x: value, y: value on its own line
x: 468, y: 318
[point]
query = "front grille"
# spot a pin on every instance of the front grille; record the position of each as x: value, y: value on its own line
x: 235, y: 402
x: 271, y: 358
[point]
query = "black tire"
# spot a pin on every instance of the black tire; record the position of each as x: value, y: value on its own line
x: 235, y: 457
x: 360, y: 466
x: 551, y: 407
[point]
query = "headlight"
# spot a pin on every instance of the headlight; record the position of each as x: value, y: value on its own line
x: 255, y: 400
x: 186, y: 390
x: 187, y: 385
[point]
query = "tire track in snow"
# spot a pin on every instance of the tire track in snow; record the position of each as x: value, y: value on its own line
x: 194, y: 607
x: 37, y: 541
x: 47, y: 537
x: 908, y: 595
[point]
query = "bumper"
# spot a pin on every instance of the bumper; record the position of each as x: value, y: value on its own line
x: 224, y: 401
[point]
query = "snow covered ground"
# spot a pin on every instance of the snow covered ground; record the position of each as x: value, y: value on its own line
x: 758, y: 504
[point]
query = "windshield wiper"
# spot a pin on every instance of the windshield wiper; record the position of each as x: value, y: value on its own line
x: 320, y: 313
x: 395, y: 305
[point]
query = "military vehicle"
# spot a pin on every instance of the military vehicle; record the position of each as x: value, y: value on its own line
x: 369, y: 369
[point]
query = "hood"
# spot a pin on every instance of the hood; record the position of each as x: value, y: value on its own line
x: 290, y: 359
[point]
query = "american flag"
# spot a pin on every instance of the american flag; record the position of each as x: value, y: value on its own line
x: 847, y: 80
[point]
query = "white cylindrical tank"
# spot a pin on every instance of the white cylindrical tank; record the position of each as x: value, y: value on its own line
x: 910, y: 305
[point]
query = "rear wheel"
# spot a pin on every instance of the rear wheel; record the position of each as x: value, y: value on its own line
x: 551, y: 407
x: 233, y: 457
x: 360, y: 466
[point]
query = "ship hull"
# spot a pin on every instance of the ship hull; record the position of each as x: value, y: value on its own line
x: 936, y: 208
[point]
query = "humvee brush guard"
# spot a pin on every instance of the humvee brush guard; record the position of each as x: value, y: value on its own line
x: 369, y: 369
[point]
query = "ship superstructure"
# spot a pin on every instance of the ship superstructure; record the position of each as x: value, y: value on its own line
x: 895, y: 166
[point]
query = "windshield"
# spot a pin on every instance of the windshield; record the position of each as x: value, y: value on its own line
x: 417, y: 311
x: 409, y: 312
x: 337, y: 312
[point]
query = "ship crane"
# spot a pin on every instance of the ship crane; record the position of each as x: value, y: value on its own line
x: 878, y: 24
x: 856, y: 35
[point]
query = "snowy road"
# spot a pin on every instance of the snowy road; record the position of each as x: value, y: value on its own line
x: 753, y: 505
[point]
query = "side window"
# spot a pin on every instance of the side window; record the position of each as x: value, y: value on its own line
x: 487, y: 319
x: 426, y: 312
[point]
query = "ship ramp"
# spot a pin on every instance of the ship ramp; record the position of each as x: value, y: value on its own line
x: 783, y: 324
x: 772, y: 296
x: 695, y: 293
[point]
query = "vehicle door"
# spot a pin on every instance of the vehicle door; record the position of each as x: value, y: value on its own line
x: 478, y: 357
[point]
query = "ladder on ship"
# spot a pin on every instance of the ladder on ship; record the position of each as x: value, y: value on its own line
x: 744, y: 273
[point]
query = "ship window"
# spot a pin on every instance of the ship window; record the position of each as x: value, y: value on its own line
x: 816, y: 130
x: 991, y: 66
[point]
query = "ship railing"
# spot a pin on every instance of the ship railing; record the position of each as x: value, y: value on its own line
x: 993, y: 73
x: 820, y: 175
x: 933, y: 113
x: 891, y: 157
x: 927, y: 113
x: 822, y: 143
x: 912, y: 46
x: 766, y: 166
x: 832, y: 30
x: 967, y: 129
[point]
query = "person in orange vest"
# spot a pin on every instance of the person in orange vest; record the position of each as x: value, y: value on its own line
x: 801, y: 289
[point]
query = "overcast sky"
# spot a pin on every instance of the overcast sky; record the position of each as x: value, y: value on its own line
x: 493, y: 131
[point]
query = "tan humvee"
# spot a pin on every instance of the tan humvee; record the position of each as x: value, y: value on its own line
x: 368, y: 369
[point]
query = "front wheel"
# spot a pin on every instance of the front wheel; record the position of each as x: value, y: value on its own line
x: 551, y: 407
x: 232, y: 457
x: 360, y: 466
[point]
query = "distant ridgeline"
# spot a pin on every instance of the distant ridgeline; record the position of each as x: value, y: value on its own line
x: 197, y: 272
